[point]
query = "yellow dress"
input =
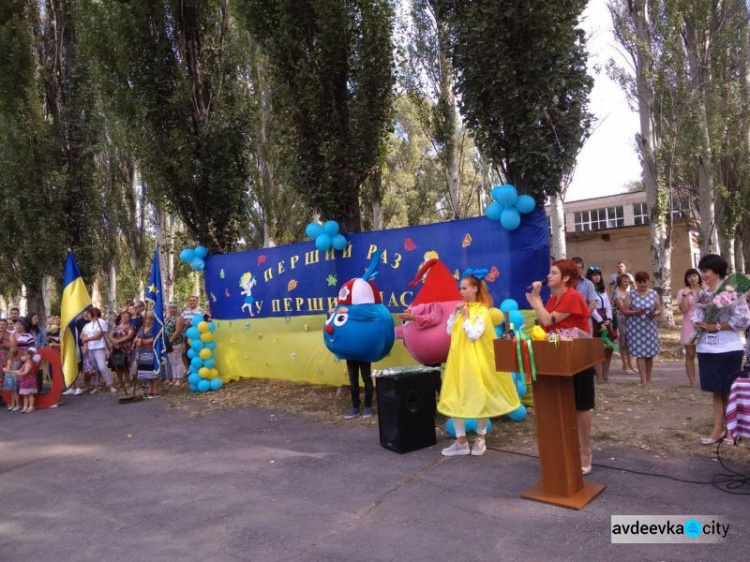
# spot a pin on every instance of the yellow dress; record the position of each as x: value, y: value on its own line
x: 472, y: 388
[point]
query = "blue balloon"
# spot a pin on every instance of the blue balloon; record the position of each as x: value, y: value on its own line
x: 193, y: 333
x: 323, y: 242
x: 494, y: 210
x: 509, y: 218
x: 197, y: 345
x: 339, y: 242
x: 211, y: 327
x: 521, y: 388
x: 469, y: 425
x: 201, y: 252
x: 508, y: 304
x: 216, y: 384
x: 499, y: 331
x: 331, y: 228
x: 194, y: 378
x: 506, y: 195
x: 210, y: 362
x: 198, y: 264
x: 191, y: 353
x: 211, y: 345
x: 188, y: 255
x: 204, y: 386
x: 519, y: 414
x: 525, y: 204
x: 516, y: 318
x: 193, y: 388
x: 313, y: 230
x: 196, y: 362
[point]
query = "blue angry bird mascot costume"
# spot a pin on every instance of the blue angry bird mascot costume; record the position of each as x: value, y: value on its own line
x: 360, y: 330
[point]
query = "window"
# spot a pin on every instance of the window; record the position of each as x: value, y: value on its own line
x: 679, y: 208
x: 598, y: 219
x: 640, y: 213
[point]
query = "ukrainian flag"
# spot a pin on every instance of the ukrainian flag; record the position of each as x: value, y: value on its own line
x: 75, y: 299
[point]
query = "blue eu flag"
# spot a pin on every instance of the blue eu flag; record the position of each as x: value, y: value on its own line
x: 154, y: 296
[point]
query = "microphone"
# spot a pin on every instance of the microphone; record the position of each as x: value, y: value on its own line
x: 531, y: 287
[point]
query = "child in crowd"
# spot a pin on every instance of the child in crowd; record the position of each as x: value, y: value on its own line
x: 27, y: 382
x: 10, y: 381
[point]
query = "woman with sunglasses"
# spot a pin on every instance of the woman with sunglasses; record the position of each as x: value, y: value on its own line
x: 643, y: 335
x: 602, y: 319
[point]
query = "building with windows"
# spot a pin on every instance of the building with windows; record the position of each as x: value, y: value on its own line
x: 606, y: 230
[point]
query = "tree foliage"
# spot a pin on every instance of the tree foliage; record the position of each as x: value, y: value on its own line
x: 172, y: 76
x: 332, y: 65
x: 521, y: 75
x: 50, y: 130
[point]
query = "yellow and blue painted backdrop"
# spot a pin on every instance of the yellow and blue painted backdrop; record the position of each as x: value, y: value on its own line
x: 270, y: 305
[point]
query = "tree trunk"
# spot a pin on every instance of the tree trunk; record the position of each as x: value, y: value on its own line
x: 557, y: 221
x: 739, y: 256
x: 647, y: 141
x: 450, y: 116
x: 700, y: 79
x: 48, y: 293
x: 376, y: 192
x: 112, y: 292
x: 264, y: 164
x: 170, y: 279
x: 377, y: 215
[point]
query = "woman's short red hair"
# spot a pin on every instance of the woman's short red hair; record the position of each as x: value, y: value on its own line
x: 568, y: 268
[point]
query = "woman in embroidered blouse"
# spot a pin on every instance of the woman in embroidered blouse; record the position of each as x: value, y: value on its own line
x: 471, y: 388
x: 686, y: 301
x: 719, y: 346
x: 565, y: 311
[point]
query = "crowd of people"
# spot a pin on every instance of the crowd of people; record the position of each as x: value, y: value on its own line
x: 623, y: 312
x: 114, y: 356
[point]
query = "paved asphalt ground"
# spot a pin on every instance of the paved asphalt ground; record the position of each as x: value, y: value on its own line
x: 93, y: 480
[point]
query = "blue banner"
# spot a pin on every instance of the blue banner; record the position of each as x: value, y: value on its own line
x: 299, y: 280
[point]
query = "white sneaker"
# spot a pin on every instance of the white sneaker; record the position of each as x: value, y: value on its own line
x: 456, y: 449
x: 79, y: 391
x: 479, y: 447
x: 70, y: 391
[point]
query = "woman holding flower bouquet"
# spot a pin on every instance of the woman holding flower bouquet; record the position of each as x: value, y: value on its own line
x: 721, y: 313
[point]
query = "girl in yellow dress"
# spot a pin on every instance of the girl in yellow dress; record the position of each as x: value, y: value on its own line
x: 472, y: 388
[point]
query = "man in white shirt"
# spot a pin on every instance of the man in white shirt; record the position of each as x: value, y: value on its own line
x: 622, y: 269
x: 191, y: 311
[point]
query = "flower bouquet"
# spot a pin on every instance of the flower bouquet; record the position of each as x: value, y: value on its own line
x: 729, y: 292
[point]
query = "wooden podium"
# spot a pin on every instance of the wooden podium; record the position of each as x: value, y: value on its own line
x: 556, y: 421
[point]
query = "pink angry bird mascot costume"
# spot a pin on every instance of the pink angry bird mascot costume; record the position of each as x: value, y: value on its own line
x: 424, y: 322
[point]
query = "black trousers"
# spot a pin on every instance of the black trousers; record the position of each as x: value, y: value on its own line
x: 354, y: 368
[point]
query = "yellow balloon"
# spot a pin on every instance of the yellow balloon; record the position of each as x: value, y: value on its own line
x: 214, y: 373
x: 203, y: 327
x: 207, y: 337
x: 496, y: 315
x: 205, y: 353
x: 538, y: 333
x: 204, y: 372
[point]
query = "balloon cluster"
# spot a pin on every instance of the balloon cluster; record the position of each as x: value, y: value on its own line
x: 194, y: 256
x: 508, y: 206
x: 326, y: 236
x: 512, y: 313
x: 203, y: 373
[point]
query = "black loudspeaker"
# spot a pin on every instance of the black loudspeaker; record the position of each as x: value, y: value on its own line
x: 406, y: 411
